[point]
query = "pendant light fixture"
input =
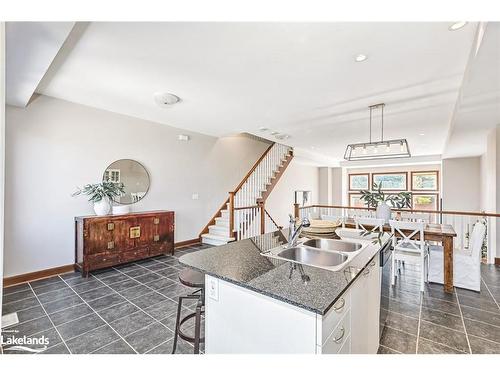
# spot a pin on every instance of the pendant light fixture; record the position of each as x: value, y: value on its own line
x: 383, y: 149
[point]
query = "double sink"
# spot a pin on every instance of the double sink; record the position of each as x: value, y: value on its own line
x: 322, y: 253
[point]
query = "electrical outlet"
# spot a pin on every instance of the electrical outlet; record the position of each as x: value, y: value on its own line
x: 194, y: 196
x: 213, y: 289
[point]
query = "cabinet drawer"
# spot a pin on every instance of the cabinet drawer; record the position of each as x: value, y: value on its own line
x: 130, y: 256
x: 332, y: 318
x: 102, y: 260
x: 346, y: 348
x: 339, y: 336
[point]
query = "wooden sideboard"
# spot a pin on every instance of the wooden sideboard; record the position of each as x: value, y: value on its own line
x: 105, y: 241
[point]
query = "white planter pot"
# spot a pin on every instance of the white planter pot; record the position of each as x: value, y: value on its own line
x: 121, y: 209
x: 383, y: 212
x: 102, y: 207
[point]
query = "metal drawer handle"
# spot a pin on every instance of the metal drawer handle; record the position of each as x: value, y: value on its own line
x: 372, y: 263
x: 339, y: 339
x: 111, y: 245
x: 338, y: 308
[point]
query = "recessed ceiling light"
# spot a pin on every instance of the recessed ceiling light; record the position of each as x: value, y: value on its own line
x: 360, y: 58
x: 262, y: 129
x: 457, y: 25
x: 422, y: 134
x: 282, y: 136
x: 164, y: 99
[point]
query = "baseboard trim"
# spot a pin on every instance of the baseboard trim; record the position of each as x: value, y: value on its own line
x: 497, y: 261
x: 43, y: 274
x: 180, y: 244
x: 32, y: 276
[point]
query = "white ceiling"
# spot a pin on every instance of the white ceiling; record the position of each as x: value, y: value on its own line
x: 31, y: 48
x: 295, y: 78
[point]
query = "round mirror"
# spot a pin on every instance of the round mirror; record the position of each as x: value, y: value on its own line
x: 132, y: 175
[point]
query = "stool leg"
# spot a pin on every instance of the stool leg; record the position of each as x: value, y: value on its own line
x: 197, y: 328
x: 177, y: 320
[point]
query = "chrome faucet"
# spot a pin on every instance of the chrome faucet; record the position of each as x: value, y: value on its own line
x: 295, y: 230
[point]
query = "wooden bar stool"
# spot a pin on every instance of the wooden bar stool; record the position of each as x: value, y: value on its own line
x: 192, y: 279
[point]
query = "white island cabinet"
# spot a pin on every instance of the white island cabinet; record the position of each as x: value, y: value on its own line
x: 239, y: 320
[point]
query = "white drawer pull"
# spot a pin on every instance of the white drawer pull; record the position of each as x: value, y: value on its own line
x: 339, y: 339
x: 338, y: 308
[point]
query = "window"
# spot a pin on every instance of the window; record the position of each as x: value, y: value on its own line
x: 425, y: 181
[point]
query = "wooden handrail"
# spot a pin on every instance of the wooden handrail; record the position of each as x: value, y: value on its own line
x: 212, y: 220
x: 246, y: 207
x: 464, y: 213
x: 253, y: 168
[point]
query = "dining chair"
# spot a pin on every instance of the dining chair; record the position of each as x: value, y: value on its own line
x: 466, y: 261
x: 409, y: 248
x: 414, y: 217
x: 376, y: 224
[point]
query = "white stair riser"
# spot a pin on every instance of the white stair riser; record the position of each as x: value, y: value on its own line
x: 211, y: 241
x: 220, y: 231
x: 220, y: 222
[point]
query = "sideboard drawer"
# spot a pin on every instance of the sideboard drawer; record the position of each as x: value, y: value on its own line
x: 103, y: 259
x: 130, y: 256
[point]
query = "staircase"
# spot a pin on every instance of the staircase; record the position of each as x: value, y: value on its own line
x: 243, y: 214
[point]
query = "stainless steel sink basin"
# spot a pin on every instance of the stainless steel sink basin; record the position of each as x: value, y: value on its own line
x: 333, y: 245
x: 313, y: 257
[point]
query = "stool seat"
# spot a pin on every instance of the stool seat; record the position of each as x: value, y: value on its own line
x: 192, y: 278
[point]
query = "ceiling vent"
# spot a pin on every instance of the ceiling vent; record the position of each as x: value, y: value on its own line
x: 165, y: 99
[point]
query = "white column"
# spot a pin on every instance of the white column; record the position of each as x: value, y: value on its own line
x: 2, y: 151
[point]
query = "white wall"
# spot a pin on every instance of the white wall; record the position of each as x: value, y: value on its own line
x: 2, y: 153
x: 461, y: 184
x: 325, y: 185
x: 296, y: 177
x: 54, y: 146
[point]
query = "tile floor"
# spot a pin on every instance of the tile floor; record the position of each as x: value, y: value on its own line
x: 131, y: 309
x: 126, y: 309
x: 436, y: 322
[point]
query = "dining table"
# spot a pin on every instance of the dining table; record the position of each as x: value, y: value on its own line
x: 443, y: 233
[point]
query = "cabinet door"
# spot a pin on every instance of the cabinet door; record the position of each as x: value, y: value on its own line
x: 98, y: 238
x: 147, y: 231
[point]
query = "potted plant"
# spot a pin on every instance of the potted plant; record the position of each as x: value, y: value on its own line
x: 101, y: 195
x: 378, y: 199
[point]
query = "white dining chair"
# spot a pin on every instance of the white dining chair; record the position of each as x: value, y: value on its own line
x: 376, y: 224
x: 409, y: 248
x: 414, y: 217
x: 466, y: 262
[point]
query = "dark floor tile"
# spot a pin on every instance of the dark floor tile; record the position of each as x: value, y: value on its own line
x: 405, y: 297
x: 483, y: 330
x: 92, y: 340
x: 156, y: 266
x: 148, y: 278
x: 402, y: 308
x: 70, y: 313
x: 436, y: 291
x: 479, y: 303
x: 428, y: 347
x: 80, y: 326
x: 483, y: 294
x: 71, y: 275
x: 50, y: 287
x: 182, y: 347
x: 171, y: 321
x: 96, y: 293
x: 56, y: 295
x: 43, y: 282
x: 58, y: 349
x: 116, y: 347
x: 441, y: 305
x: 481, y: 315
x: 443, y: 335
x: 115, y: 279
x: 139, y: 271
x: 11, y: 307
x: 61, y: 304
x: 145, y: 262
x: 385, y: 350
x: 174, y: 291
x: 107, y: 301
x: 29, y: 314
x: 481, y: 346
x: 105, y: 272
x: 15, y: 288
x: 31, y: 327
x: 148, y: 300
x: 169, y: 272
x: 162, y: 310
x: 119, y: 311
x: 442, y: 319
x: 401, y: 341
x: 13, y: 297
x: 135, y: 292
x: 131, y: 323
x: 123, y: 285
x: 87, y: 286
x: 80, y: 280
x: 52, y: 336
x: 160, y: 283
x: 402, y: 323
x: 149, y: 337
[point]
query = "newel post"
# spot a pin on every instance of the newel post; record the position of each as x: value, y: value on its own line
x: 296, y: 210
x: 262, y: 217
x: 231, y: 214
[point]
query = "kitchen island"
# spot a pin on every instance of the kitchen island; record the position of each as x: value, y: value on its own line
x: 257, y: 304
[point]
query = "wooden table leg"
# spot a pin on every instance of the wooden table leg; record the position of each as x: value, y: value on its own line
x: 448, y: 263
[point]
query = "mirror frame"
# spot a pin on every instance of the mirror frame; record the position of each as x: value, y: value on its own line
x: 147, y: 174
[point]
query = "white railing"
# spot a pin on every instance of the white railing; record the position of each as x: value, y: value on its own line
x: 261, y: 176
x: 253, y: 221
x: 462, y: 222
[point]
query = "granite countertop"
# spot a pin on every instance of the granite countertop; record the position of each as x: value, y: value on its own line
x: 241, y: 263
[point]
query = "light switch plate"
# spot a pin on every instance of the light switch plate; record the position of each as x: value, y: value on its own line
x: 213, y: 289
x: 194, y: 196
